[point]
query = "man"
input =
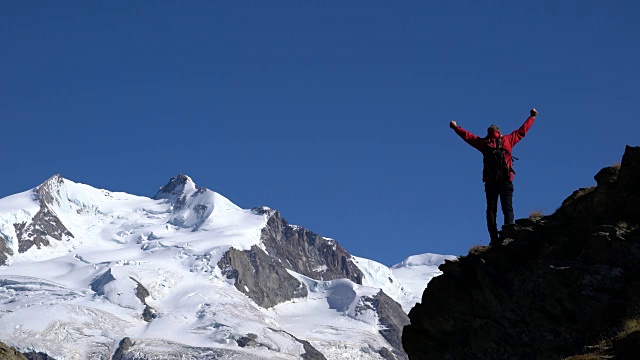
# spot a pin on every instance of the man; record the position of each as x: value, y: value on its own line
x: 495, y: 185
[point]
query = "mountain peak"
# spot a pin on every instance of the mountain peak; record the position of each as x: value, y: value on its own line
x: 176, y: 187
x: 49, y: 192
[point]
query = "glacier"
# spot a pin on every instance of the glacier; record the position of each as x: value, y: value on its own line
x: 85, y: 268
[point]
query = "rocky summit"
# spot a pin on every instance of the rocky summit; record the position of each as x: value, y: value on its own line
x: 565, y: 285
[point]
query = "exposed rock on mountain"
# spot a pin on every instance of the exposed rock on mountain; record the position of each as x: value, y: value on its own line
x: 142, y: 293
x: 295, y: 294
x: 45, y: 223
x: 548, y: 288
x: 175, y: 188
x: 261, y: 277
x: 307, y: 253
x: 5, y: 251
x: 393, y: 319
x: 264, y: 277
x: 8, y: 353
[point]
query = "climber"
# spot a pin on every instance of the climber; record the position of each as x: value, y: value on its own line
x: 497, y: 172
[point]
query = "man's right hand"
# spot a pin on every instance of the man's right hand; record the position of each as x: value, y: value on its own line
x: 533, y: 112
x: 453, y: 124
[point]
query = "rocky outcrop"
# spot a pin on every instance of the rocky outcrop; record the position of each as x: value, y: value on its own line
x: 33, y: 355
x: 549, y: 286
x: 124, y: 345
x: 262, y: 278
x: 265, y: 279
x: 5, y: 251
x: 45, y: 224
x: 310, y: 353
x: 175, y: 188
x: 392, y: 319
x: 307, y: 253
x: 142, y: 293
x: 9, y: 353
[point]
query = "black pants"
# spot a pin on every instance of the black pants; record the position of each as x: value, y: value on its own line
x: 493, y: 190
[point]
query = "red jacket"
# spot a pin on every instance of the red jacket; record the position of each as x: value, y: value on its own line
x: 508, y: 142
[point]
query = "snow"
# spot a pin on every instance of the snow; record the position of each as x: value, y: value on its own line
x: 332, y: 310
x: 76, y: 299
x: 414, y: 273
x: 404, y: 282
x: 426, y: 259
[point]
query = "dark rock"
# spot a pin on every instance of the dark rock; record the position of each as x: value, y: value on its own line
x: 310, y: 353
x: 261, y: 277
x: 49, y: 192
x: 44, y: 224
x: 607, y: 175
x: 5, y: 250
x: 32, y: 355
x: 308, y: 253
x: 555, y: 287
x: 526, y: 222
x: 264, y: 278
x: 174, y: 188
x: 248, y: 341
x: 262, y: 210
x: 142, y: 293
x: 393, y: 319
x: 627, y: 347
x: 124, y: 345
x: 386, y: 354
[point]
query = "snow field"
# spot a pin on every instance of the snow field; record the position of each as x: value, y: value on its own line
x: 77, y: 298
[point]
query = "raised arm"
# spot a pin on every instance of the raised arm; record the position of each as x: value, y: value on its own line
x: 471, y: 139
x: 517, y: 135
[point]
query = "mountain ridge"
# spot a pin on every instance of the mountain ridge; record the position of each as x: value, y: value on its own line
x: 187, y: 269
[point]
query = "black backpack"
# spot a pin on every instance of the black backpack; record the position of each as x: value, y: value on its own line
x: 495, y: 162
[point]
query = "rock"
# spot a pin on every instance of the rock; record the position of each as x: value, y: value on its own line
x: 45, y: 224
x: 5, y: 251
x: 9, y: 353
x: 556, y: 287
x: 248, y: 341
x: 32, y: 355
x: 264, y: 278
x: 393, y: 319
x: 627, y: 347
x: 124, y: 345
x: 261, y: 277
x: 607, y: 175
x: 142, y: 293
x: 308, y: 253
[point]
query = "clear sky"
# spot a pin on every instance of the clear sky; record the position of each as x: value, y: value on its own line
x: 335, y: 113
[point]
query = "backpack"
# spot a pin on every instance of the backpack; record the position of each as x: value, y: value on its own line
x: 495, y: 162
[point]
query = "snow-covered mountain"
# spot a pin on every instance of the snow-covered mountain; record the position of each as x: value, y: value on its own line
x: 93, y: 274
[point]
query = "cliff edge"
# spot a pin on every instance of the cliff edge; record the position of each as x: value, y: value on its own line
x: 552, y: 287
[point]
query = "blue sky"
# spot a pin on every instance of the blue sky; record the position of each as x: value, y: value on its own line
x: 335, y: 113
